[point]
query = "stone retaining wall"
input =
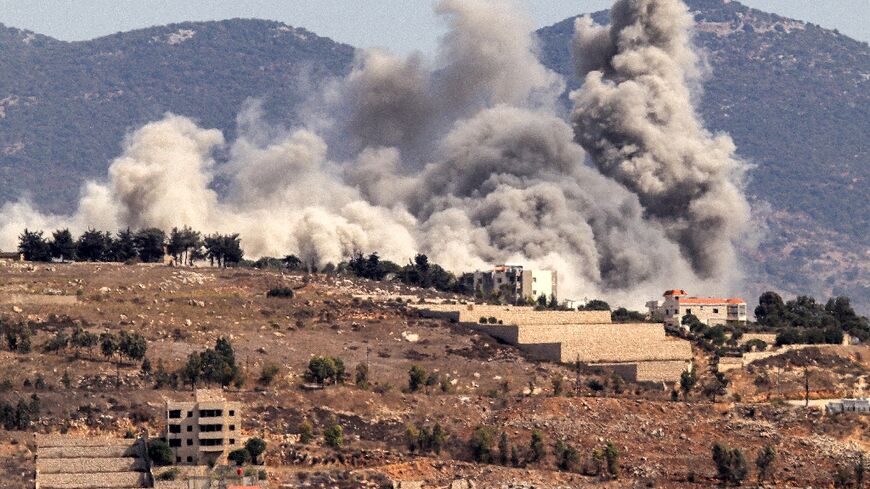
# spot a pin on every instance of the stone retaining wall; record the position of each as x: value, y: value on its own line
x: 39, y: 299
x: 109, y: 480
x: 520, y: 315
x: 89, y: 465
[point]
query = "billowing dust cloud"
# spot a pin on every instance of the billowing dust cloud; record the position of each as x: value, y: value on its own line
x: 463, y: 158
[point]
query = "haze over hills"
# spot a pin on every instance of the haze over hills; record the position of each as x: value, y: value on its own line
x: 793, y: 96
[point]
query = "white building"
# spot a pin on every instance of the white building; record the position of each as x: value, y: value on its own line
x: 515, y: 282
x: 710, y: 311
x: 849, y: 406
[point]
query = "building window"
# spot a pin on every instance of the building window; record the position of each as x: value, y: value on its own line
x: 177, y: 459
x: 208, y: 442
x: 190, y: 414
x: 232, y: 412
x: 688, y: 311
x: 189, y: 428
x: 210, y: 428
x: 210, y: 413
x: 232, y: 427
x: 232, y: 441
x: 189, y: 459
x: 175, y: 413
x: 715, y: 311
x: 175, y: 443
x: 175, y: 428
x: 190, y: 442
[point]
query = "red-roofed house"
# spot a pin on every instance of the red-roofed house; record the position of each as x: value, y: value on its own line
x: 710, y: 311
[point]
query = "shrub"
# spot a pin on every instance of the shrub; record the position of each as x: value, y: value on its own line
x: 282, y: 292
x: 267, y: 375
x: 480, y: 444
x: 255, y: 446
x: 764, y: 462
x: 492, y: 320
x: 169, y: 475
x: 306, y: 432
x: 536, y: 445
x: 333, y: 436
x: 730, y: 464
x: 239, y: 456
x: 160, y: 453
x: 361, y: 376
x: 322, y: 369
x: 417, y: 378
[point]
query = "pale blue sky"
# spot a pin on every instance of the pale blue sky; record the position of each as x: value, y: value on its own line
x: 400, y: 25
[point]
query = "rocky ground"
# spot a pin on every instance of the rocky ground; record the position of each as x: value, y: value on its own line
x: 661, y: 442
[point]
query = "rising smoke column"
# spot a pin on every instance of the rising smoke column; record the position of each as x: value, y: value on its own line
x: 634, y: 115
x: 462, y: 158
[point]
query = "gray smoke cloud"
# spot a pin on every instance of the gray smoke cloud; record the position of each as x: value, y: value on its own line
x: 634, y: 115
x: 462, y: 157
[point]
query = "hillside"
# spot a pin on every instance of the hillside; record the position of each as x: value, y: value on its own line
x: 475, y: 381
x: 796, y: 100
x: 793, y: 96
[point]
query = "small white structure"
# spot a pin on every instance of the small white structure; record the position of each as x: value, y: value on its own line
x: 710, y: 311
x: 860, y: 405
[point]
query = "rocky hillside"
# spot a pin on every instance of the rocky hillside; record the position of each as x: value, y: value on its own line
x: 796, y: 99
x: 794, y: 96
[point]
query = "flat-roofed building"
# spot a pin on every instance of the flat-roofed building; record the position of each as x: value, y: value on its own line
x: 710, y: 311
x: 203, y: 429
x: 514, y: 282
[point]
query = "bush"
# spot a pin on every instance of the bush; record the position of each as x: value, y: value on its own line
x: 492, y: 320
x: 480, y: 444
x: 417, y: 378
x: 306, y: 432
x: 333, y: 436
x: 536, y: 445
x: 730, y: 464
x: 267, y: 375
x: 169, y: 475
x: 255, y: 446
x: 322, y: 369
x: 160, y: 453
x: 283, y: 292
x: 239, y: 456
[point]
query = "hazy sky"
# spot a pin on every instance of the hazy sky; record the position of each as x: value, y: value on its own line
x: 400, y: 25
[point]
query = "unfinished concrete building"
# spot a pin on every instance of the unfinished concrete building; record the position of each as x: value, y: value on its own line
x: 515, y: 282
x: 68, y: 462
x: 203, y: 429
x: 639, y: 352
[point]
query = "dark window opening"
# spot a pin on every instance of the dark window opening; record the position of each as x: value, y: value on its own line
x: 175, y: 413
x: 175, y: 443
x: 175, y: 428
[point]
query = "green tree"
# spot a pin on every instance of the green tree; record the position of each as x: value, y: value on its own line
x: 132, y: 345
x: 333, y: 435
x: 34, y: 246
x: 730, y: 464
x: 93, y: 245
x: 239, y: 456
x: 536, y: 446
x: 62, y: 245
x: 159, y: 452
x: 149, y: 244
x: 438, y: 438
x: 770, y: 310
x: 124, y: 246
x: 596, y: 305
x: 480, y: 444
x: 255, y: 446
x: 324, y: 369
x: 764, y: 462
x: 306, y: 432
x: 416, y: 378
x: 108, y: 345
x: 268, y: 373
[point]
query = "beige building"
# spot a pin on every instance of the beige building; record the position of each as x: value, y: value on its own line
x: 515, y: 282
x: 203, y: 429
x: 710, y: 311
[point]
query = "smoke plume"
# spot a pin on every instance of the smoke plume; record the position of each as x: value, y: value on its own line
x: 463, y: 158
x: 634, y: 116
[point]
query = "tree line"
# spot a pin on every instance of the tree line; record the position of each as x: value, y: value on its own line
x: 147, y: 245
x: 803, y: 320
